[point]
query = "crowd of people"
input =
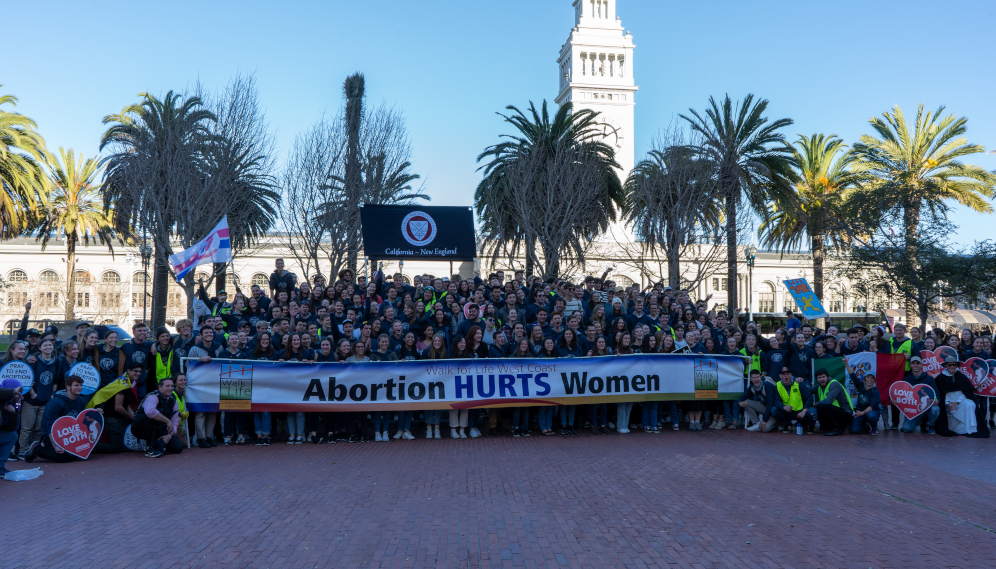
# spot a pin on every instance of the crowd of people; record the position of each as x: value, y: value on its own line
x: 356, y: 319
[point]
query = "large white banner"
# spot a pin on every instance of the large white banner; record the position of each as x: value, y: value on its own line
x: 243, y: 385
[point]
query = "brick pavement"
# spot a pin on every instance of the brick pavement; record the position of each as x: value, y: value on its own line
x: 689, y: 500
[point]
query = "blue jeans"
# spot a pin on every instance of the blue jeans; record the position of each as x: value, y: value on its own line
x: 404, y: 420
x: 623, y: 411
x: 598, y: 414
x: 673, y: 411
x: 546, y: 417
x: 648, y: 414
x: 567, y: 415
x: 731, y: 411
x: 7, y: 440
x: 295, y: 423
x: 520, y: 417
x: 261, y: 422
x: 858, y: 423
x: 234, y: 424
x: 433, y: 417
x: 381, y: 419
x: 912, y: 425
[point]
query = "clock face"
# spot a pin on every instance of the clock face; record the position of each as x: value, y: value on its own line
x: 611, y: 130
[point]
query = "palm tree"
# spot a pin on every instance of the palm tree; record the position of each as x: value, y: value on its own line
x: 920, y: 169
x: 825, y: 179
x: 23, y: 181
x: 75, y: 209
x: 537, y: 133
x: 157, y: 143
x: 751, y: 162
x: 913, y: 170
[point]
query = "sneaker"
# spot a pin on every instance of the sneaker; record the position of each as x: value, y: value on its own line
x: 930, y: 431
x: 290, y: 440
x: 15, y: 457
x: 623, y: 431
x: 475, y: 433
x: 675, y: 427
x: 385, y: 437
x: 453, y: 434
x: 408, y: 436
x: 604, y: 429
x: 399, y: 434
x: 611, y: 426
x: 266, y: 441
x: 733, y: 426
x: 525, y: 432
x: 32, y: 452
x: 228, y: 442
x: 754, y: 427
x: 377, y: 437
x: 241, y: 440
x: 202, y: 443
x: 153, y: 452
x: 463, y: 435
x: 874, y: 431
x: 315, y: 439
x: 259, y: 441
x: 436, y: 433
x: 354, y: 439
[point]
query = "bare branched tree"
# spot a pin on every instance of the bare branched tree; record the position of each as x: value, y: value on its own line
x: 323, y: 188
x: 555, y: 197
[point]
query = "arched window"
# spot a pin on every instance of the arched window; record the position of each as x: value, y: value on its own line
x: 766, y: 298
x: 140, y: 278
x: 406, y: 280
x: 48, y: 276
x: 261, y: 280
x: 17, y: 276
x: 110, y: 277
x: 82, y: 277
x: 622, y: 280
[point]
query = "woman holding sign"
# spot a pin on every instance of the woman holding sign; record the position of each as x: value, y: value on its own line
x: 48, y: 379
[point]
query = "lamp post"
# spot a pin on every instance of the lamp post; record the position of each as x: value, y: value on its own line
x: 751, y: 254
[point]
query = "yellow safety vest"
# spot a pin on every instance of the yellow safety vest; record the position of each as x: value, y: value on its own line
x: 755, y: 360
x: 162, y: 372
x: 793, y: 398
x: 181, y: 404
x: 822, y: 391
x: 905, y: 348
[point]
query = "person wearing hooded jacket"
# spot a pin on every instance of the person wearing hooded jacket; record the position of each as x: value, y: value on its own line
x: 956, y: 396
x: 64, y: 403
x: 757, y: 400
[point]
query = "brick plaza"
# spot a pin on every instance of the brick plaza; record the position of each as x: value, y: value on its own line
x: 702, y: 500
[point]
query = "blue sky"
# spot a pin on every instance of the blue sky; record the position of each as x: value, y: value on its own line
x: 450, y: 65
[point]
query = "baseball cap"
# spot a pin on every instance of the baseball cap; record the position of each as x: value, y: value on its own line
x: 222, y: 292
x: 33, y: 332
x: 916, y: 359
x: 53, y: 330
x: 83, y: 323
x: 950, y: 360
x: 785, y: 369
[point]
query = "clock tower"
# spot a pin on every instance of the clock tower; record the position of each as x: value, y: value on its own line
x: 596, y: 72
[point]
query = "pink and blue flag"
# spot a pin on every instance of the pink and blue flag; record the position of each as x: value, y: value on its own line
x: 215, y: 248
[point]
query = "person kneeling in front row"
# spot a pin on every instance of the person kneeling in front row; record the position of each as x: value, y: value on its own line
x: 793, y: 402
x: 157, y: 419
x: 757, y: 401
x: 867, y: 405
x: 65, y: 403
x: 833, y: 405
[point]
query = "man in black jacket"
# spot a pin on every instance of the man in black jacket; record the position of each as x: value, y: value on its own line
x: 64, y: 403
x: 833, y: 405
x: 757, y: 401
x: 956, y: 395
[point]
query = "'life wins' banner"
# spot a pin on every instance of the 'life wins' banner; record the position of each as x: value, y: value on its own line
x: 244, y: 385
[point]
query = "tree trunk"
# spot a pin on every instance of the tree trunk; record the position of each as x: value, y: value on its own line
x: 530, y: 250
x: 220, y: 277
x: 731, y: 252
x: 70, y: 277
x: 160, y: 289
x: 817, y: 247
x: 673, y: 266
x: 354, y: 88
x: 911, y: 223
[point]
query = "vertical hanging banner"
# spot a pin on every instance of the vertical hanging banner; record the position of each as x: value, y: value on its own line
x: 805, y: 298
x: 263, y: 386
x: 402, y: 232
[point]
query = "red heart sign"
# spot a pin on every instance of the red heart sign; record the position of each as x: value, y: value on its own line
x: 933, y: 362
x: 912, y: 401
x: 974, y: 368
x: 78, y: 435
